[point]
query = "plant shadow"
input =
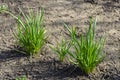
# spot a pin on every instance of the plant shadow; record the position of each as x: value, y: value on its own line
x: 48, y: 70
x: 36, y: 69
x: 8, y: 55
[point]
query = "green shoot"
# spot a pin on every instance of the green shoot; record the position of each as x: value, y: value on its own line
x: 3, y: 7
x: 61, y: 49
x: 87, y: 52
x: 30, y: 33
x: 22, y: 78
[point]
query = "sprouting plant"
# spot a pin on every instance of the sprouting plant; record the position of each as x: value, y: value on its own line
x: 84, y: 52
x: 21, y: 78
x: 61, y: 49
x: 30, y: 33
x: 87, y: 52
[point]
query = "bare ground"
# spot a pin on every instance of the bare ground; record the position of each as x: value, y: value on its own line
x: 73, y: 12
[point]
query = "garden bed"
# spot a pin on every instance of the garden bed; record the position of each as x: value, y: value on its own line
x: 46, y: 65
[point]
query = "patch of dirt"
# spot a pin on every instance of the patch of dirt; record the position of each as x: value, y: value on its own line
x: 72, y: 12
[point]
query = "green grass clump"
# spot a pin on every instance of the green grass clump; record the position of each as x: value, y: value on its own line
x: 61, y: 49
x: 30, y: 33
x: 86, y: 52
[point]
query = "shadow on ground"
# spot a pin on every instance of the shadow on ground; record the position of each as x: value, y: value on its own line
x: 48, y: 70
x: 8, y: 55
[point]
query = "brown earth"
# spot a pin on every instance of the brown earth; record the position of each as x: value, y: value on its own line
x: 72, y: 12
